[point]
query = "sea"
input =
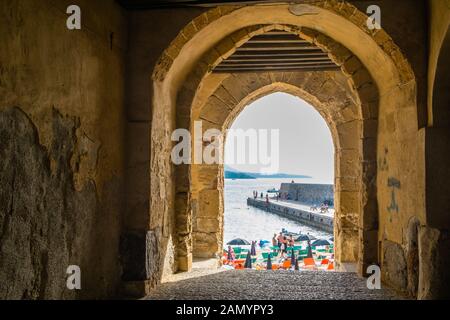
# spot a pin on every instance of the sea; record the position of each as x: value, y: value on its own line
x: 250, y: 223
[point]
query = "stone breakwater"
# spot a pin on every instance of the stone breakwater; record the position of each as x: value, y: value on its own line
x: 295, y: 212
x: 307, y: 193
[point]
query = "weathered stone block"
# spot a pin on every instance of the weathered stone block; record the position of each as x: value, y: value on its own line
x: 393, y: 267
x: 352, y: 65
x: 207, y: 225
x: 185, y: 263
x: 138, y: 252
x: 210, y: 203
x: 348, y: 202
x: 434, y: 259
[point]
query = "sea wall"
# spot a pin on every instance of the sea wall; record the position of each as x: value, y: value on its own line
x: 316, y: 220
x: 307, y: 193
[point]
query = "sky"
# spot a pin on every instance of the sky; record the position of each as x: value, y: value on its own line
x: 305, y: 142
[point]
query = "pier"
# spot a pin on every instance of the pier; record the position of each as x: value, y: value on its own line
x: 296, y: 211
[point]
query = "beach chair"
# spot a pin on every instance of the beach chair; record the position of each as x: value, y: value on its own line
x: 309, y: 262
x: 287, y: 264
x: 330, y: 266
x: 325, y: 261
x: 239, y: 266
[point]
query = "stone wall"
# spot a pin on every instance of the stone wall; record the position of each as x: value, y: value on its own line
x: 312, y: 219
x: 433, y: 233
x: 311, y: 194
x: 61, y: 148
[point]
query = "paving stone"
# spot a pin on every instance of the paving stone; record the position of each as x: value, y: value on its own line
x: 267, y: 285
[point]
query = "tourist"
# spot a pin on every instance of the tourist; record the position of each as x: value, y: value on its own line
x: 231, y: 255
x: 267, y: 198
x: 262, y: 195
x: 274, y: 240
x: 284, y: 244
x: 291, y: 241
x: 282, y: 248
x: 280, y: 240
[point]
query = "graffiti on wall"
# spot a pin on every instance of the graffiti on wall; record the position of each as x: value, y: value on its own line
x: 382, y: 161
x: 394, y: 184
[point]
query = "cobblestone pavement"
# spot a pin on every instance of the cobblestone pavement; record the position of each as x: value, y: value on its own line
x: 266, y: 285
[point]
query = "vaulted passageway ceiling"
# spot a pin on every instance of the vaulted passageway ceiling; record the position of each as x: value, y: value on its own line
x: 276, y: 51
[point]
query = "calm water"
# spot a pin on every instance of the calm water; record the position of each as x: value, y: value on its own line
x: 242, y: 221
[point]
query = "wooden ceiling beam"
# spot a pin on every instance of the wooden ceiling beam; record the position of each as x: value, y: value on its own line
x: 276, y: 46
x: 270, y: 54
x: 276, y: 59
x: 280, y: 63
x: 277, y: 69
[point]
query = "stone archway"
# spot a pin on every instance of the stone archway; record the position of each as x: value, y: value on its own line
x: 354, y: 128
x: 365, y: 56
x: 343, y: 119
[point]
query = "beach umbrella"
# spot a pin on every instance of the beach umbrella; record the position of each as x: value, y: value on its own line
x: 269, y: 262
x: 292, y: 257
x: 238, y: 242
x: 296, y: 264
x: 321, y: 242
x: 304, y: 237
x: 253, y: 248
x: 248, y: 261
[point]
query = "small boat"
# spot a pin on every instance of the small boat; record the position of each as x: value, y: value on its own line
x: 273, y: 190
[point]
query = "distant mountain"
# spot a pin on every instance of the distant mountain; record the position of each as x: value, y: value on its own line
x: 231, y: 173
x: 237, y: 175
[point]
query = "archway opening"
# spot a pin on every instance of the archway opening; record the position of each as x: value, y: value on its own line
x: 279, y: 178
x: 371, y: 82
